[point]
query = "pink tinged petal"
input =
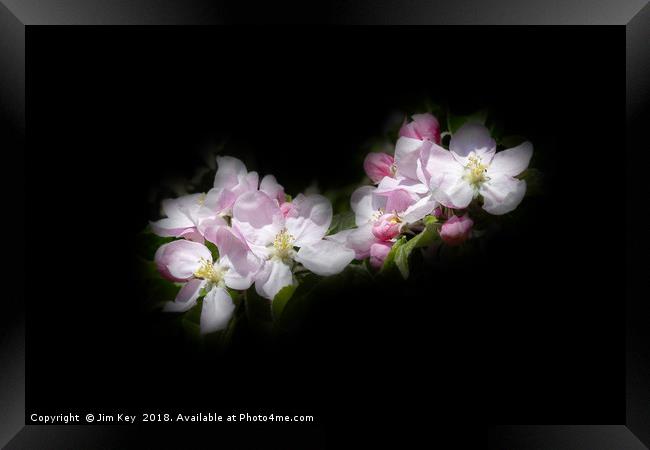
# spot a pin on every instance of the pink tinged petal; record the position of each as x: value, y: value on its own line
x: 216, y: 311
x: 186, y: 297
x: 230, y: 171
x: 502, y: 194
x: 378, y: 166
x: 325, y: 257
x: 171, y: 227
x: 314, y: 216
x: 360, y: 240
x: 288, y: 209
x: 209, y: 227
x: 247, y: 184
x: 365, y: 204
x: 435, y: 162
x: 378, y: 253
x: 399, y: 200
x: 177, y: 221
x: 388, y: 185
x: 270, y: 186
x: 512, y: 161
x: 242, y: 264
x: 422, y: 127
x: 257, y: 217
x: 192, y: 234
x: 219, y: 200
x: 180, y: 259
x: 456, y: 230
x: 161, y: 258
x: 470, y: 138
x: 273, y: 276
x: 407, y: 152
x: 419, y: 209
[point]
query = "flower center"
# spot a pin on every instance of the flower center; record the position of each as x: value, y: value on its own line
x: 376, y: 215
x: 283, y: 245
x: 476, y: 171
x: 201, y: 199
x: 210, y: 272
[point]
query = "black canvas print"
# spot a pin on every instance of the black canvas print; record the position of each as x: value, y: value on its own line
x: 338, y: 236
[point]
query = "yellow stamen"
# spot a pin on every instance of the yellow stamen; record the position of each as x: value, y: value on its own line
x: 209, y: 272
x: 476, y: 171
x: 283, y: 245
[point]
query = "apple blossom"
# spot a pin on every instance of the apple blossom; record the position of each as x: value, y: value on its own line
x: 273, y: 233
x: 422, y: 127
x: 456, y: 229
x: 192, y: 263
x: 472, y: 168
x: 189, y: 216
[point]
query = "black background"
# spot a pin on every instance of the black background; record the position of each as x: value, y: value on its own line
x: 531, y: 334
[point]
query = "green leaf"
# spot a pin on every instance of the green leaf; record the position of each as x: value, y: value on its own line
x: 454, y: 122
x: 280, y: 300
x: 401, y: 251
x: 213, y: 249
x: 342, y: 221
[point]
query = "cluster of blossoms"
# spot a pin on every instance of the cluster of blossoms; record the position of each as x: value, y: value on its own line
x: 424, y: 179
x: 261, y: 235
x: 264, y: 238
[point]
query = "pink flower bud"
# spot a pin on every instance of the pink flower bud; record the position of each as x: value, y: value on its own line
x: 456, y: 230
x: 423, y: 127
x: 378, y: 166
x: 378, y: 253
x: 386, y: 227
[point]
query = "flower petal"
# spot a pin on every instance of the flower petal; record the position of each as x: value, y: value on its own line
x: 273, y: 276
x: 360, y: 240
x: 512, y: 161
x: 419, y: 209
x: 471, y: 137
x: 180, y: 259
x: 435, y: 162
x: 235, y: 254
x: 257, y: 217
x: 186, y: 297
x: 454, y: 192
x: 365, y: 204
x: 502, y: 194
x: 216, y: 311
x: 219, y: 200
x: 341, y: 237
x: 270, y: 186
x: 313, y: 218
x: 407, y: 153
x: 229, y: 172
x: 209, y: 227
x: 325, y: 257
